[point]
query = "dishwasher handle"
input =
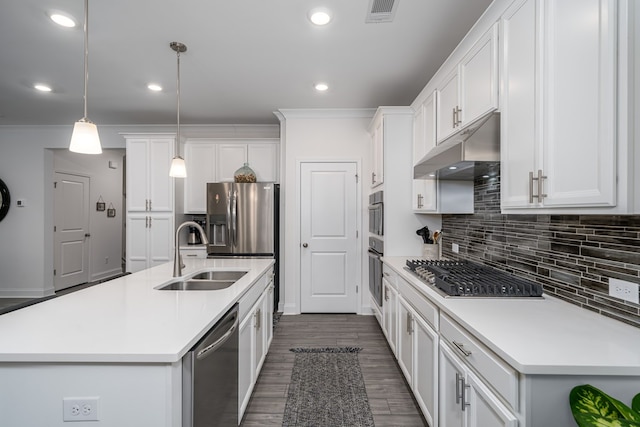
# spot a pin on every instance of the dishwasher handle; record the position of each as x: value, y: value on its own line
x: 220, y: 341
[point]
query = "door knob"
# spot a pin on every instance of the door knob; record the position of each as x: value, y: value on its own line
x: 304, y: 245
x: 87, y: 235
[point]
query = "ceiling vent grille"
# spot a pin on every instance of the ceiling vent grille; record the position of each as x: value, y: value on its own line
x: 381, y: 11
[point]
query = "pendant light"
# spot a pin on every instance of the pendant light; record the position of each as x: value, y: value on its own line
x: 178, y: 167
x: 84, y: 138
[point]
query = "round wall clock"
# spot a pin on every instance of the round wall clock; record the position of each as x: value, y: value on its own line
x: 5, y: 200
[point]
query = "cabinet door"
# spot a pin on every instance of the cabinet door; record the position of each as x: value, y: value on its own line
x: 231, y: 157
x: 579, y: 102
x: 137, y: 175
x: 424, y: 139
x: 518, y: 146
x: 160, y: 183
x: 425, y: 369
x: 451, y: 374
x: 137, y: 242
x: 479, y: 78
x: 447, y: 103
x: 201, y: 169
x: 425, y: 195
x: 405, y: 339
x: 245, y: 364
x: 377, y: 172
x: 485, y: 410
x: 263, y: 159
x: 160, y: 230
x: 389, y: 313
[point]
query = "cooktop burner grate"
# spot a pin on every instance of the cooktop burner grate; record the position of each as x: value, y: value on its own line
x: 467, y: 279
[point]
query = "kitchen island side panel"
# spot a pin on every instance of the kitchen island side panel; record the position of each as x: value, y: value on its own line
x: 129, y: 394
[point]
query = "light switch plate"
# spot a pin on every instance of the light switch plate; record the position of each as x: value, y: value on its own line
x: 622, y: 289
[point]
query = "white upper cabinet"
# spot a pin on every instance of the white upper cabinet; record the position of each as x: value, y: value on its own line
x: 559, y: 103
x: 470, y: 90
x: 149, y: 186
x: 213, y: 160
x: 377, y: 153
x: 424, y: 139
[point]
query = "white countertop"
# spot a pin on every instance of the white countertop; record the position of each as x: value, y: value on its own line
x: 540, y: 336
x: 125, y: 319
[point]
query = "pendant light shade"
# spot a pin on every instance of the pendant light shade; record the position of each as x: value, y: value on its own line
x: 178, y: 167
x: 84, y: 138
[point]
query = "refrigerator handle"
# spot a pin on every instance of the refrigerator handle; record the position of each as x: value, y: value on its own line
x: 234, y: 217
x: 229, y: 218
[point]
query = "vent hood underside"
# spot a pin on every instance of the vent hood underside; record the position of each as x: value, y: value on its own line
x: 470, y: 153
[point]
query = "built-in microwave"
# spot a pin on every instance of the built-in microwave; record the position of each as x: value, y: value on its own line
x: 376, y: 214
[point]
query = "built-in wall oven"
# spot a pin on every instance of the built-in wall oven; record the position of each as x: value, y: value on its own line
x: 376, y: 215
x: 376, y: 249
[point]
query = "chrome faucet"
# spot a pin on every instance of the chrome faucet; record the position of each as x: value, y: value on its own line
x: 177, y: 259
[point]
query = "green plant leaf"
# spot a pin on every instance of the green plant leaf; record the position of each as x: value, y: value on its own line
x: 635, y: 403
x: 592, y: 407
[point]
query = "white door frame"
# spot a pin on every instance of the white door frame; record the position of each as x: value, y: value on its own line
x: 296, y: 229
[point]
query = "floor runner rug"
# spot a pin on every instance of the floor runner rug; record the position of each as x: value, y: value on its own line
x: 327, y: 389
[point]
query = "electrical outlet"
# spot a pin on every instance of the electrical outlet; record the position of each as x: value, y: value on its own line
x: 80, y: 409
x: 622, y: 289
x: 455, y: 248
x: 106, y: 260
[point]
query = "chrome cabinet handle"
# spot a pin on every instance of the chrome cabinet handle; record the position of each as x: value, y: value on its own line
x: 150, y: 206
x: 150, y: 219
x: 463, y: 399
x: 373, y: 177
x: 146, y: 205
x: 459, y: 120
x: 146, y: 222
x: 258, y: 318
x: 460, y: 347
x: 409, y: 323
x: 386, y: 294
x: 540, y: 177
x: 420, y: 198
x: 455, y: 119
x: 458, y: 379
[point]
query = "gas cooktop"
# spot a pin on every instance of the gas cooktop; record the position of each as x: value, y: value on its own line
x: 467, y: 279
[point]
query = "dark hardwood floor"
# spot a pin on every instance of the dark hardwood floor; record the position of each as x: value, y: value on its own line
x: 390, y: 398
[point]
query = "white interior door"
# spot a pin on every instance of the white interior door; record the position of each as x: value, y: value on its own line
x: 328, y: 244
x: 71, y: 232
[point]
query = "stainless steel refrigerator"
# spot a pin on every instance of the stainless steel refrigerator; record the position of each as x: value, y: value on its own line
x: 241, y: 219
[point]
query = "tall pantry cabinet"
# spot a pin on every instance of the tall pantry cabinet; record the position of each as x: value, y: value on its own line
x: 149, y: 200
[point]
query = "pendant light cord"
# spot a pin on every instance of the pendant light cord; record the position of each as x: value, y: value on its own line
x: 178, y: 120
x: 86, y: 54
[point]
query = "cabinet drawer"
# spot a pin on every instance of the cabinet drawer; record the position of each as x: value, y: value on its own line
x: 419, y: 302
x: 390, y: 275
x: 502, y: 377
x: 252, y: 295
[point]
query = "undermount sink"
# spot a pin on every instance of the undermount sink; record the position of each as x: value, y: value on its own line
x: 219, y: 275
x: 197, y: 285
x: 205, y: 281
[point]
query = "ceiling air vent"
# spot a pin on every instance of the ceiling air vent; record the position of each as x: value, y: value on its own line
x: 381, y: 11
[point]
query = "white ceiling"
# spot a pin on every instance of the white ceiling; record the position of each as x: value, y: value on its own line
x: 245, y: 58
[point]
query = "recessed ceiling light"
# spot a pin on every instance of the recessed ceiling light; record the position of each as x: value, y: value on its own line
x: 41, y: 87
x: 62, y: 19
x: 321, y: 87
x: 320, y: 16
x: 154, y: 87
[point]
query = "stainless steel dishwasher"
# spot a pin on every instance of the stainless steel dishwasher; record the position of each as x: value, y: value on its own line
x: 210, y: 377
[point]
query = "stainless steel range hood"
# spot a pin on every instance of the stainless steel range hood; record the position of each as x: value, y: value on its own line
x: 472, y: 152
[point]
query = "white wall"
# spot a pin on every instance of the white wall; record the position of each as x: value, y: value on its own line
x: 106, y: 182
x: 318, y: 135
x: 26, y: 166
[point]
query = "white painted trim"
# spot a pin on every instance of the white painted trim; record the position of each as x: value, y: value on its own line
x: 325, y: 113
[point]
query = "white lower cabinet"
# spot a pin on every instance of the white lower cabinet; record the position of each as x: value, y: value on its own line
x: 418, y: 358
x: 149, y: 240
x: 465, y: 401
x: 389, y: 313
x: 255, y: 335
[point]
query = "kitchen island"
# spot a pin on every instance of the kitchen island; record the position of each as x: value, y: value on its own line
x: 516, y: 358
x: 121, y: 341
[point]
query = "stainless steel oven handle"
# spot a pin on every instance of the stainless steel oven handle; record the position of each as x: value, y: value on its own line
x: 219, y: 342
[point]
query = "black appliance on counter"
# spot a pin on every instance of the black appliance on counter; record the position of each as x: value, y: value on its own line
x: 467, y: 279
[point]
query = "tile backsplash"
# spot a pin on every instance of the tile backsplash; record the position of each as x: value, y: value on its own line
x: 572, y: 256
